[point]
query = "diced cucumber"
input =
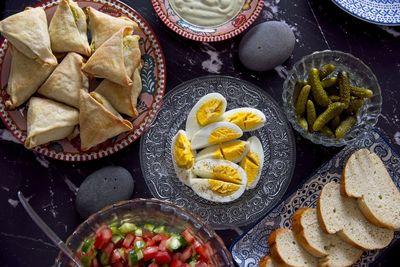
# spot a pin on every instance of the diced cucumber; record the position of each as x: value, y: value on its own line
x: 173, y: 243
x: 139, y: 244
x: 86, y: 260
x: 138, y: 232
x: 139, y: 254
x: 127, y: 228
x: 160, y: 229
x: 115, y: 230
x: 192, y: 262
x: 149, y: 227
x: 180, y: 238
x: 134, y: 257
x: 87, y: 245
x: 116, y: 238
x: 104, y: 259
x: 121, y: 252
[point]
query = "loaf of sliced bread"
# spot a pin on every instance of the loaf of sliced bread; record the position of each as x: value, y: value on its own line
x: 286, y: 250
x: 340, y: 214
x: 366, y: 178
x: 267, y: 261
x: 331, y: 249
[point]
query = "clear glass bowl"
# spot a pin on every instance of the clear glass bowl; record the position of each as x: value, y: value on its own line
x: 360, y: 75
x: 158, y: 212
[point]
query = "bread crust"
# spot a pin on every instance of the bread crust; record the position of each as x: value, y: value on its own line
x: 274, y: 250
x: 265, y: 261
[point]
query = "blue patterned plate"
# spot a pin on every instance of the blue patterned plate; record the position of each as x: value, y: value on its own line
x: 250, y: 247
x: 383, y: 12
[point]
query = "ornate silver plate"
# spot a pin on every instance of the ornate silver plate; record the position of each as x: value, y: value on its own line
x: 276, y: 137
x: 249, y: 248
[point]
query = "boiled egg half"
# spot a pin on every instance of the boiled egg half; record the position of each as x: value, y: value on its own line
x: 233, y: 151
x: 248, y: 119
x: 182, y: 157
x: 208, y: 109
x: 218, y: 180
x: 215, y: 133
x: 253, y: 162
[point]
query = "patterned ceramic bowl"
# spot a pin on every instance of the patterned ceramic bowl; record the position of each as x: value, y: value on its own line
x: 360, y: 75
x: 158, y: 212
x: 228, y: 29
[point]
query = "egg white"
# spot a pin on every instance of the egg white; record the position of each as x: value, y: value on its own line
x: 256, y: 148
x: 184, y: 175
x: 200, y: 138
x: 192, y: 125
x: 202, y: 188
x: 257, y: 112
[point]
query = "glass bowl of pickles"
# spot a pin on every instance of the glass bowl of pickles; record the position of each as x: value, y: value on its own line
x: 331, y: 97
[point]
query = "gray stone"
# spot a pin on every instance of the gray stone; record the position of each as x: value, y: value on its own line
x: 102, y: 188
x: 266, y: 46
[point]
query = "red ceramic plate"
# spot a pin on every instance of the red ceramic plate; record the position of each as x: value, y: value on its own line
x: 246, y: 16
x: 149, y: 102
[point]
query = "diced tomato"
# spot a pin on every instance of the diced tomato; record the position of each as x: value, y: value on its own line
x: 159, y: 237
x: 147, y: 233
x: 176, y: 263
x: 153, y: 264
x: 115, y: 256
x: 79, y: 254
x: 149, y: 253
x: 150, y: 243
x: 163, y: 245
x: 101, y: 228
x: 108, y: 250
x: 103, y: 237
x: 201, y: 250
x: 201, y: 264
x: 128, y: 240
x: 185, y: 265
x: 117, y: 264
x: 177, y: 255
x: 162, y: 257
x: 186, y: 254
x: 188, y: 236
x: 138, y: 238
x: 95, y: 263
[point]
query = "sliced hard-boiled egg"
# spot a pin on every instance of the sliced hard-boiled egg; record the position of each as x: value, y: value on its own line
x: 233, y: 151
x: 215, y: 133
x: 182, y: 157
x: 248, y: 119
x: 208, y: 109
x: 219, y: 180
x: 253, y: 162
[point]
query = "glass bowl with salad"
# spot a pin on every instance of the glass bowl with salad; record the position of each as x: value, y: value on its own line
x: 331, y: 98
x: 145, y: 232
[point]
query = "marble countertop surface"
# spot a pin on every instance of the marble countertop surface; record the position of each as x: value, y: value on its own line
x: 49, y: 184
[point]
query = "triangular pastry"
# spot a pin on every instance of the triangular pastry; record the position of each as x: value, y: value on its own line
x: 102, y: 26
x: 49, y: 121
x: 26, y: 75
x: 27, y: 31
x: 113, y: 60
x: 98, y: 122
x: 68, y: 29
x: 66, y: 81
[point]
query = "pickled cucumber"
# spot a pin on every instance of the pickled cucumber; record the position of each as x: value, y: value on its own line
x: 344, y: 88
x: 317, y: 90
x: 345, y: 126
x: 361, y: 92
x: 311, y: 114
x: 334, y: 98
x: 302, y: 100
x: 325, y: 70
x: 355, y: 105
x: 327, y: 132
x: 333, y: 110
x: 329, y: 82
x: 335, y: 122
x: 297, y: 88
x: 303, y: 123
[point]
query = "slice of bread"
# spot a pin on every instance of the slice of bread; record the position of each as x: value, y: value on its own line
x: 340, y: 214
x: 366, y: 178
x: 286, y: 251
x: 331, y: 250
x: 267, y: 261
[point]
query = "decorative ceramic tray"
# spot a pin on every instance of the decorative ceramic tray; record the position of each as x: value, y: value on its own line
x: 384, y: 12
x: 153, y: 79
x: 276, y: 138
x: 246, y: 16
x: 250, y: 247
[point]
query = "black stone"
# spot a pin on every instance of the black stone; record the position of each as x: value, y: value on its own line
x: 104, y: 187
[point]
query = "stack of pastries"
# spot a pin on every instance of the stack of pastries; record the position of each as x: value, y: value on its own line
x: 62, y: 106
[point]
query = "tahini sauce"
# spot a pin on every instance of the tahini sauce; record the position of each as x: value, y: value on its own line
x: 207, y: 12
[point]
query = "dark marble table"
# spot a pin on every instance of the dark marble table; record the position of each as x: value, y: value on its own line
x: 318, y: 25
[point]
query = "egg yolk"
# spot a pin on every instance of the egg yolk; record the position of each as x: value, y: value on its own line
x: 251, y: 165
x: 222, y: 188
x: 183, y: 154
x: 233, y: 150
x: 245, y: 120
x: 209, y: 112
x: 226, y: 174
x: 221, y: 135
